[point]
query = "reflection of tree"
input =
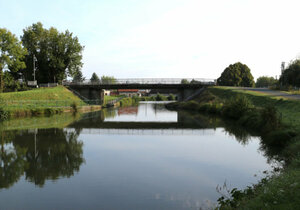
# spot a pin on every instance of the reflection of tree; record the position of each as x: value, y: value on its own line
x: 54, y: 154
x: 12, y: 161
x: 41, y: 154
x: 240, y: 133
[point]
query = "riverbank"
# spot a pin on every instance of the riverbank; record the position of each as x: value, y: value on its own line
x: 42, y: 101
x: 49, y: 101
x: 276, y: 120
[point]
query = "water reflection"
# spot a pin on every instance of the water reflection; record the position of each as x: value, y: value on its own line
x: 167, y: 160
x: 40, y: 154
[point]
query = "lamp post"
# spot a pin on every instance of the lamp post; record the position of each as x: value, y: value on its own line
x: 34, y: 60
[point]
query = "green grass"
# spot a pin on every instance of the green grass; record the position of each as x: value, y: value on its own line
x: 279, y: 141
x: 109, y: 98
x: 38, y: 101
x: 288, y: 108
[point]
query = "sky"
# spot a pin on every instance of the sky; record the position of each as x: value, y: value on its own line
x: 169, y: 38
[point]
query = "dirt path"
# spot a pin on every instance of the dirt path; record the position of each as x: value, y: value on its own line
x: 274, y: 93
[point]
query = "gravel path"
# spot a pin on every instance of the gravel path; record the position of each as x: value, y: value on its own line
x: 274, y: 93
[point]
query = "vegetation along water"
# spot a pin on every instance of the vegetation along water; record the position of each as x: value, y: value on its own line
x: 132, y: 157
x: 276, y: 120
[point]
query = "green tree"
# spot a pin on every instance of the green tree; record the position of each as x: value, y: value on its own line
x: 291, y: 75
x: 184, y: 81
x: 237, y: 74
x: 11, y: 54
x: 108, y: 80
x: 265, y: 81
x: 58, y: 54
x: 95, y: 78
x: 78, y: 77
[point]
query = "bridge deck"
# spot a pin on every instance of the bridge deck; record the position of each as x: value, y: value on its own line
x: 146, y: 83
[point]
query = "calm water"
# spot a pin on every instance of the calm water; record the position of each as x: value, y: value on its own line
x: 142, y: 157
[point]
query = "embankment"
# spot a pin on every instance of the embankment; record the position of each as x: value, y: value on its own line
x: 41, y: 101
x: 277, y: 121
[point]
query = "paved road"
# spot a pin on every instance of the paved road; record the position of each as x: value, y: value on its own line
x: 274, y: 93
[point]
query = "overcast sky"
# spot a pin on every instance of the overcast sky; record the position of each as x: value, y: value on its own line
x: 169, y: 38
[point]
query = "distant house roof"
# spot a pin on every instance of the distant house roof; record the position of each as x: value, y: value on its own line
x: 128, y: 90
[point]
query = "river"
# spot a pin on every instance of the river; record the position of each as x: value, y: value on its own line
x: 138, y: 157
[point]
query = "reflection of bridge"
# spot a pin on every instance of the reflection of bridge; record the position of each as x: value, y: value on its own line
x: 136, y: 125
x: 96, y: 120
x: 93, y: 90
x: 112, y: 131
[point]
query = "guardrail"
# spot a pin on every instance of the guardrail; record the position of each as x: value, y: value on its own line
x: 144, y: 81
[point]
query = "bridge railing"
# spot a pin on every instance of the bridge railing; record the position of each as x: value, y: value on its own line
x: 144, y: 81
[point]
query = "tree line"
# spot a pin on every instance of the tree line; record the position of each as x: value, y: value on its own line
x: 290, y: 76
x: 239, y: 74
x: 56, y: 55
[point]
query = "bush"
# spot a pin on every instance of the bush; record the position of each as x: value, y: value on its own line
x: 126, y: 102
x: 3, y: 114
x: 237, y: 107
x: 214, y: 108
x: 171, y: 97
x: 74, y: 106
x: 270, y: 119
x: 159, y: 97
x: 251, y: 119
x: 190, y: 105
x: 279, y: 138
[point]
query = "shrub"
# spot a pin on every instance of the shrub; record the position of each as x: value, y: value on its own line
x: 279, y: 138
x: 171, y: 97
x: 3, y: 114
x: 270, y: 119
x: 126, y: 102
x: 159, y: 97
x: 74, y: 106
x: 237, y: 107
x: 191, y: 105
x: 252, y: 119
x: 214, y: 108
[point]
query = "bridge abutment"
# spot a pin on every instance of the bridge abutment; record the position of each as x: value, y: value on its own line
x: 184, y: 94
x: 92, y: 94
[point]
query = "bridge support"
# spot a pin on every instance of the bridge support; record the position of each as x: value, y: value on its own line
x: 187, y: 93
x: 91, y: 94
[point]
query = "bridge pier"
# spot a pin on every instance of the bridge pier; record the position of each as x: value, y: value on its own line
x: 184, y: 94
x: 92, y: 94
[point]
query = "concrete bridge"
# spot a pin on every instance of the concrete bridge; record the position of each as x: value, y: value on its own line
x: 94, y: 90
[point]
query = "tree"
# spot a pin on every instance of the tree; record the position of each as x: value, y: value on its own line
x: 108, y: 80
x: 11, y: 54
x: 58, y: 54
x: 291, y: 75
x: 237, y: 74
x: 78, y: 77
x: 265, y: 81
x: 95, y: 78
x: 184, y: 81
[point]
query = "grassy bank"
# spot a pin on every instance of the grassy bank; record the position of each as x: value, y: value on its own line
x: 277, y: 121
x: 38, y: 101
